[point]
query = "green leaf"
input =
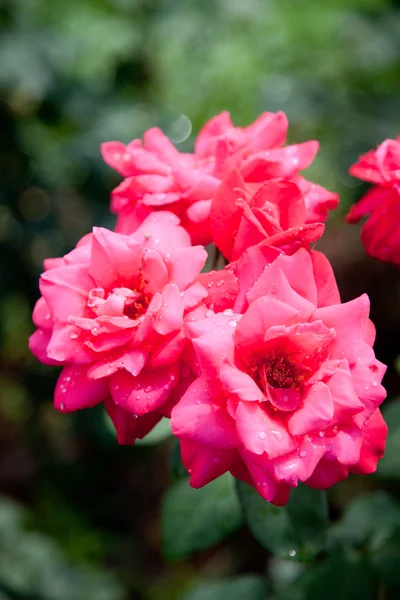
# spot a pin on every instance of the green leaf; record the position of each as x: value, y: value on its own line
x: 193, y: 520
x: 159, y: 433
x: 389, y: 466
x: 248, y: 587
x: 297, y: 530
x: 372, y: 523
x: 368, y: 521
x: 176, y: 467
x: 338, y: 578
x: 385, y: 560
x: 33, y: 566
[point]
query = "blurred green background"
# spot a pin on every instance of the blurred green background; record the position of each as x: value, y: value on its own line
x: 79, y: 516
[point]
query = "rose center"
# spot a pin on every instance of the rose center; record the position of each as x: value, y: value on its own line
x: 136, y: 307
x: 132, y: 303
x: 281, y: 372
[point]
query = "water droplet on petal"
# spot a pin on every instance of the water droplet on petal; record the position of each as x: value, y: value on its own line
x: 292, y: 553
x: 134, y: 416
x: 366, y: 387
x: 303, y: 453
x: 232, y: 323
x: 220, y: 283
x: 73, y: 335
x: 198, y: 401
x: 375, y: 384
x: 262, y: 435
x: 148, y: 389
x: 210, y: 284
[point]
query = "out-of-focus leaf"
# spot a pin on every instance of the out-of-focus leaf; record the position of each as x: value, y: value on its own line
x: 193, y: 520
x: 283, y: 572
x: 159, y: 433
x: 338, y: 578
x: 31, y: 565
x: 389, y: 466
x: 11, y: 520
x: 176, y: 466
x: 297, y: 530
x: 368, y: 521
x: 371, y: 523
x: 386, y: 559
x: 236, y: 588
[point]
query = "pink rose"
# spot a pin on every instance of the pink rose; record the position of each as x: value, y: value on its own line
x: 255, y: 150
x: 112, y: 313
x: 276, y: 212
x: 158, y: 176
x: 289, y: 387
x: 381, y: 232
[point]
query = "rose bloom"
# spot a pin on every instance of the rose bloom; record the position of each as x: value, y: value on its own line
x: 381, y: 232
x: 242, y: 215
x: 112, y: 314
x: 288, y: 385
x: 158, y: 176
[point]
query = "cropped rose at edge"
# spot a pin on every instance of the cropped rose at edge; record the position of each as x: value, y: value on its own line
x: 288, y: 391
x: 158, y: 176
x: 112, y: 314
x: 381, y: 232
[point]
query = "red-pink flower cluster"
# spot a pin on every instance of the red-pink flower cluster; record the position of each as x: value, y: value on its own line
x: 158, y: 176
x: 381, y: 232
x: 261, y: 368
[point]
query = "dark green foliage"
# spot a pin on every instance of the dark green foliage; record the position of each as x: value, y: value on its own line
x: 32, y: 566
x: 297, y: 530
x: 236, y: 588
x: 390, y: 465
x: 193, y: 520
